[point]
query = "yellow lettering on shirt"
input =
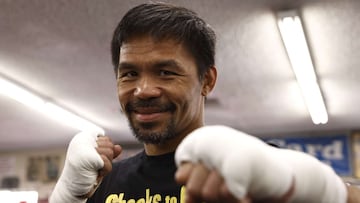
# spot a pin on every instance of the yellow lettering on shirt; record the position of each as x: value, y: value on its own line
x: 148, y: 198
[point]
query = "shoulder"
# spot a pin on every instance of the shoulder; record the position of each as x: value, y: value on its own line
x: 121, y: 169
x: 130, y: 161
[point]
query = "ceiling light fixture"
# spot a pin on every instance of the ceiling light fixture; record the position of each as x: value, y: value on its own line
x: 53, y: 111
x: 297, y: 49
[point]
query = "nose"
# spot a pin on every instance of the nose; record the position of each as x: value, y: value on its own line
x: 147, y: 88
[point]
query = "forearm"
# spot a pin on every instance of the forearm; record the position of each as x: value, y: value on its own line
x: 80, y: 172
x: 248, y: 166
x: 353, y: 194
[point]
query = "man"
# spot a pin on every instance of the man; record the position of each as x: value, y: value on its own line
x: 164, y: 64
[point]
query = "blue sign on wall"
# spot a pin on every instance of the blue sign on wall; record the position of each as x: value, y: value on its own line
x: 332, y: 150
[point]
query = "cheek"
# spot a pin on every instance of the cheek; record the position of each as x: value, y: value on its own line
x: 191, y: 100
x: 122, y: 97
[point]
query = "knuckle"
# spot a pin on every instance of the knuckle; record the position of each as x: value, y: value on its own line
x: 193, y: 191
x: 104, y: 139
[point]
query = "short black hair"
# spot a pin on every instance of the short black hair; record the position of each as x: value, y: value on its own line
x: 167, y: 21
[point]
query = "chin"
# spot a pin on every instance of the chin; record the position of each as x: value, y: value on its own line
x: 153, y: 134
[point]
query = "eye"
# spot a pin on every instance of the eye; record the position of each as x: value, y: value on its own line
x: 166, y: 73
x: 129, y: 74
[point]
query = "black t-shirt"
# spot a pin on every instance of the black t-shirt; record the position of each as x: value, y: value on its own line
x: 141, y: 179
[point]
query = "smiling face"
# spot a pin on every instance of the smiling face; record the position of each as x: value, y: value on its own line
x: 159, y: 89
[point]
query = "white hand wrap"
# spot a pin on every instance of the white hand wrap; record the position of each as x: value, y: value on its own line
x: 80, y: 170
x: 250, y: 166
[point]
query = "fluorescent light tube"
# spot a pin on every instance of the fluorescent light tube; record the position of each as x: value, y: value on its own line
x: 53, y: 111
x: 297, y: 49
x: 71, y: 119
x: 19, y: 94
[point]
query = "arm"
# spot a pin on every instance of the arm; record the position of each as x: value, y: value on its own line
x: 88, y: 160
x: 207, y: 185
x: 251, y: 168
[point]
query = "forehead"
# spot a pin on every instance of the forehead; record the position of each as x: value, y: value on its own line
x: 146, y: 46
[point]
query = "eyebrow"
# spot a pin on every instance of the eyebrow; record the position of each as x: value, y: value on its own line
x: 168, y: 63
x: 125, y: 65
x: 157, y: 64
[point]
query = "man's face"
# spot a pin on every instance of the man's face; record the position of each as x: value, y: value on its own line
x: 159, y: 89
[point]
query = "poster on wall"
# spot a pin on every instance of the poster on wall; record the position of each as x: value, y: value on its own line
x: 333, y: 150
x: 8, y: 176
x: 7, y: 165
x: 43, y: 168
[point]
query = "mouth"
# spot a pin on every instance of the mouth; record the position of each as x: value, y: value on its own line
x: 145, y: 118
x: 149, y: 111
x: 149, y: 114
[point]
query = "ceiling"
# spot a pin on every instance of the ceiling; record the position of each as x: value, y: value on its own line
x: 59, y: 49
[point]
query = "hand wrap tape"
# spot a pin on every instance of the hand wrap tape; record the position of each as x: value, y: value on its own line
x: 250, y: 166
x: 80, y: 170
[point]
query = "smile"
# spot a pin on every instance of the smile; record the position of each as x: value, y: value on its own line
x: 148, y: 114
x: 148, y: 117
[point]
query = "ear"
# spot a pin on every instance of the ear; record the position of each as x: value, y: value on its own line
x: 209, y: 80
